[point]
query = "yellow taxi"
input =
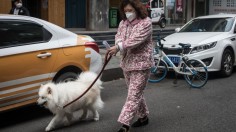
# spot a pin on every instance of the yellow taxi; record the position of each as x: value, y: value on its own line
x: 33, y: 52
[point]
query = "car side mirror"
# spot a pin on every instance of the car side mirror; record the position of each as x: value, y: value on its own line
x: 177, y: 30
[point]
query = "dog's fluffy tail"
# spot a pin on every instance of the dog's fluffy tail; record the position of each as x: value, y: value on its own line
x: 88, y: 77
x: 99, y: 104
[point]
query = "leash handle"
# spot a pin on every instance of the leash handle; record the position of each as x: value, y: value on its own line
x: 107, y: 59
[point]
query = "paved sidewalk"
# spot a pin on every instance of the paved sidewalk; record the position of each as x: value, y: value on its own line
x: 114, y: 62
x: 112, y: 70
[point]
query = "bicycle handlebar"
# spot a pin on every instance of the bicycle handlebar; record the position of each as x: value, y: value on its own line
x: 163, y: 39
x: 159, y: 41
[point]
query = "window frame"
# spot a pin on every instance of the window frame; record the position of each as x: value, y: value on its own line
x: 28, y: 43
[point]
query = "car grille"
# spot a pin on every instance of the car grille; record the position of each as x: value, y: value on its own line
x: 175, y: 51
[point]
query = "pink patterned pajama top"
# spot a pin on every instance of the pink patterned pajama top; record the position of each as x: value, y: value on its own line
x: 135, y: 42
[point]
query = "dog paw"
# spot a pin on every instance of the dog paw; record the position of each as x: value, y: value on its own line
x: 48, y: 129
x: 96, y: 119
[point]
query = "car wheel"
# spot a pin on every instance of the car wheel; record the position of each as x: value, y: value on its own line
x: 67, y: 77
x: 227, y: 63
x: 162, y: 23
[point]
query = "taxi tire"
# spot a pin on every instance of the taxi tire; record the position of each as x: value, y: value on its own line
x: 67, y: 76
x: 162, y: 23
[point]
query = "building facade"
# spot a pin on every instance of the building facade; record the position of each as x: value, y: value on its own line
x: 98, y: 15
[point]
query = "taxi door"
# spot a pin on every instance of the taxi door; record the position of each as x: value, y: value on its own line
x: 27, y: 54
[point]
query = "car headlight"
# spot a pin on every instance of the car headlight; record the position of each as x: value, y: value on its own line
x: 203, y: 47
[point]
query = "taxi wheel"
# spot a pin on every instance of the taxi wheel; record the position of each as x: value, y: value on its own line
x: 162, y: 23
x: 67, y: 77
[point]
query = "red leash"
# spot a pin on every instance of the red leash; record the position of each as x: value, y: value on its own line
x: 107, y: 59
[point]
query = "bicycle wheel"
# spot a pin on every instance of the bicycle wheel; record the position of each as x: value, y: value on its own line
x: 159, y: 72
x: 197, y: 74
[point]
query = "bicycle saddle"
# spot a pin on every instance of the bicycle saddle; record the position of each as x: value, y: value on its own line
x: 185, y: 45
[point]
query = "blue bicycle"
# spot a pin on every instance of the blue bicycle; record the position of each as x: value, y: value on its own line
x: 194, y: 70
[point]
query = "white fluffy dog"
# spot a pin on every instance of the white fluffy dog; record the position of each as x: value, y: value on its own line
x: 55, y: 96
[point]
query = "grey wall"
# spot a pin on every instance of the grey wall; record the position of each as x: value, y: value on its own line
x: 97, y: 15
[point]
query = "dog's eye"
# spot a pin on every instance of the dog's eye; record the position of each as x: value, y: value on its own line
x: 43, y: 97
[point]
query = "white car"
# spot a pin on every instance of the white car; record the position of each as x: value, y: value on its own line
x: 212, y: 39
x: 33, y: 52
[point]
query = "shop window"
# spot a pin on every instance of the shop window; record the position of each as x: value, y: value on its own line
x: 231, y: 3
x: 216, y: 2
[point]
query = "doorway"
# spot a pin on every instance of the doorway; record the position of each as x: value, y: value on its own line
x: 75, y: 14
x: 34, y: 7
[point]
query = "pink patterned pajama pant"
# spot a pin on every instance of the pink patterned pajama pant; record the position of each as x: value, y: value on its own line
x: 135, y: 103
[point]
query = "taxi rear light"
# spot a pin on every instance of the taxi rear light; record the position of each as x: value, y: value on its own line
x: 92, y: 45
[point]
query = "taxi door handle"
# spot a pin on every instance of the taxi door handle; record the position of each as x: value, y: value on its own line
x: 44, y: 55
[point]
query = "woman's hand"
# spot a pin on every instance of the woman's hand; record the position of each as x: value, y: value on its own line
x: 113, y: 50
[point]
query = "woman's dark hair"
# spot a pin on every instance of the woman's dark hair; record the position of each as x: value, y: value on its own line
x: 140, y: 9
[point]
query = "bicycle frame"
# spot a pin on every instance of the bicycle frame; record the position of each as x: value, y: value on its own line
x: 171, y: 65
x: 194, y: 70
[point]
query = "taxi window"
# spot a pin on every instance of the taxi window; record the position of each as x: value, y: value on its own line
x: 154, y: 4
x: 161, y: 3
x: 157, y: 4
x: 18, y: 33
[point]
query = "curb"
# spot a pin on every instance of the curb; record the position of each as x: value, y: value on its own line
x: 113, y: 70
x: 112, y: 74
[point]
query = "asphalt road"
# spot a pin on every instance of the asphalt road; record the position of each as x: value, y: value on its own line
x: 173, y: 108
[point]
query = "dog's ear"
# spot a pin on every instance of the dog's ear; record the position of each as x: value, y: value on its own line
x: 49, y: 90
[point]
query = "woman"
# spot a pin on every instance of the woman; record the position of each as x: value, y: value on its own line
x: 19, y: 9
x: 134, y: 41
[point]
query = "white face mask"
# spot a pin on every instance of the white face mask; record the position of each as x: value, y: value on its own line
x: 19, y: 5
x: 130, y: 16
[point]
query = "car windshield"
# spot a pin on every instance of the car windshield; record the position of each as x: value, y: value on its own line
x: 209, y: 25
